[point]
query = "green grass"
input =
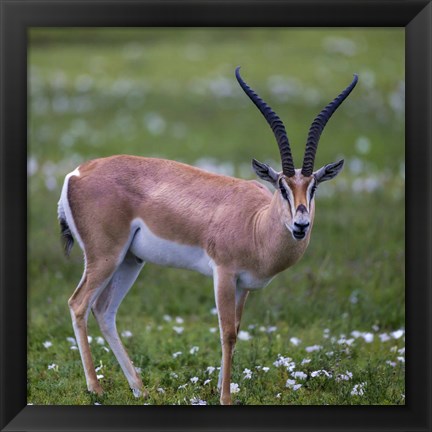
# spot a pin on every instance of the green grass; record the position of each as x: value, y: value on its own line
x: 172, y: 93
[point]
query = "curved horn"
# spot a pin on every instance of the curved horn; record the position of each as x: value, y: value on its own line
x: 318, y: 126
x: 275, y: 123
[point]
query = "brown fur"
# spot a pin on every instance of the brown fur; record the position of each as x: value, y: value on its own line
x: 236, y: 222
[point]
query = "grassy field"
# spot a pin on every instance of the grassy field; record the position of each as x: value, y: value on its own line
x: 329, y: 330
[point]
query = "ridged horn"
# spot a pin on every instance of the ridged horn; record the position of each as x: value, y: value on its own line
x: 275, y: 123
x: 317, y: 127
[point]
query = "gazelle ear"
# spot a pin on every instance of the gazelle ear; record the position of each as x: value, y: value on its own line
x: 265, y: 172
x: 327, y: 172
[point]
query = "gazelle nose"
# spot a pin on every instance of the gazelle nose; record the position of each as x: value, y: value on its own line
x: 301, y: 226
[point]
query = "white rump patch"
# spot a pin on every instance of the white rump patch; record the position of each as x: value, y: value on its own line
x: 64, y: 210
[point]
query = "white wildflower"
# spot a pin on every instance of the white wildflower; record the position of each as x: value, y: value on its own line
x: 198, y: 401
x: 194, y: 380
x: 320, y: 373
x: 299, y: 374
x: 292, y: 384
x: 271, y: 329
x: 183, y: 386
x: 126, y: 334
x: 99, y: 377
x: 213, y: 329
x: 71, y: 340
x: 210, y: 369
x: 90, y: 339
x: 244, y: 335
x: 234, y: 387
x: 295, y: 341
x: 313, y: 348
x: 207, y: 381
x: 265, y: 368
x: 176, y: 354
x: 358, y: 389
x: 344, y: 377
x: 178, y: 330
x: 160, y: 390
x: 391, y: 363
x: 53, y: 366
x: 398, y: 333
x: 213, y: 311
x: 284, y: 361
x: 47, y: 344
x: 306, y: 361
x: 368, y: 337
x: 194, y: 350
x: 179, y: 320
x: 344, y: 341
x: 384, y: 337
x: 248, y: 374
x: 401, y: 359
x: 100, y: 340
x: 167, y: 318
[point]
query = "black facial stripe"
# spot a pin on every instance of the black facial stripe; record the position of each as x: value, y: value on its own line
x: 283, y: 191
x: 313, y: 189
x: 284, y: 194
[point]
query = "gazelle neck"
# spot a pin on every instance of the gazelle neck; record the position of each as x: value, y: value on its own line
x: 278, y: 247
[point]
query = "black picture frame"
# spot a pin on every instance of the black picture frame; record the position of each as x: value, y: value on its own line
x: 18, y: 16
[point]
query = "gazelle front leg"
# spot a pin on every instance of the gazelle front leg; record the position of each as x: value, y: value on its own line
x: 240, y: 300
x: 225, y: 287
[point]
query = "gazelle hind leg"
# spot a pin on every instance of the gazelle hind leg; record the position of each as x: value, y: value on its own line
x: 95, y: 278
x: 105, y: 310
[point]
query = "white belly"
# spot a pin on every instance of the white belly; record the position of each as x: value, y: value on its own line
x: 248, y: 280
x: 151, y: 248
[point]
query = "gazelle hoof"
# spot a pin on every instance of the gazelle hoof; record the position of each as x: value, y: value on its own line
x: 138, y: 393
x: 96, y: 389
x: 225, y: 400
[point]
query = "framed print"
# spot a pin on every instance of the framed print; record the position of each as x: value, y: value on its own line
x: 131, y: 129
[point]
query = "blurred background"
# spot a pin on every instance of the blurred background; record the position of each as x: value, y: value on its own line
x: 172, y: 93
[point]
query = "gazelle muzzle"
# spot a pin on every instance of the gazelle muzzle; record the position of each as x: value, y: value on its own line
x: 301, y: 222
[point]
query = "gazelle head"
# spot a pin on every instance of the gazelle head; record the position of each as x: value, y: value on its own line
x: 296, y: 187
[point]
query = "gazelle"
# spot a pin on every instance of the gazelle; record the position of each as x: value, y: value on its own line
x: 125, y: 211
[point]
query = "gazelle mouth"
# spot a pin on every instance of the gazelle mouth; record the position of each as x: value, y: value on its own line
x: 299, y: 235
